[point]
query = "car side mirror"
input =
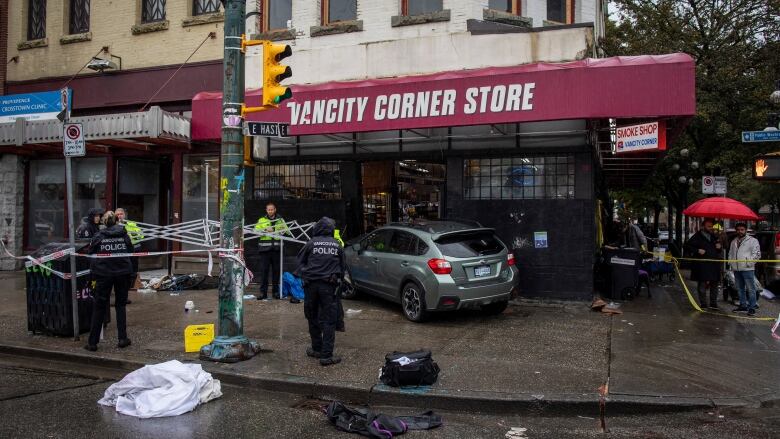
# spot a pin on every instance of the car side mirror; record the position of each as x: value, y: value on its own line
x: 356, y: 247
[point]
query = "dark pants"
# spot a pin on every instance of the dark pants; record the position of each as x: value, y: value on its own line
x: 102, y: 295
x: 702, y: 287
x: 268, y: 263
x: 321, y: 310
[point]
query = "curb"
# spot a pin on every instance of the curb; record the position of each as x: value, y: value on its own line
x: 425, y: 397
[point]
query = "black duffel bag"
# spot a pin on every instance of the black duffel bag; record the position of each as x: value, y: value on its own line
x: 409, y: 369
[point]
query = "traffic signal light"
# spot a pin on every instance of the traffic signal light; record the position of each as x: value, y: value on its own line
x: 274, y: 73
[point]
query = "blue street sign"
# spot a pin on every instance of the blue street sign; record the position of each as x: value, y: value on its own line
x: 32, y: 106
x: 760, y: 136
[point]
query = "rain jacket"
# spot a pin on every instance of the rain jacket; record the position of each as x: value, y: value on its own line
x: 322, y: 258
x: 88, y: 229
x: 111, y: 241
x: 702, y: 271
x: 746, y: 249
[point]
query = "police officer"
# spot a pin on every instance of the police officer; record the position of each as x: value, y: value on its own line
x: 110, y: 273
x: 268, y: 250
x: 136, y: 235
x: 90, y: 224
x: 321, y: 265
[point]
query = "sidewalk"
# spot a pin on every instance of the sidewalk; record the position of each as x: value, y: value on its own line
x: 534, y: 356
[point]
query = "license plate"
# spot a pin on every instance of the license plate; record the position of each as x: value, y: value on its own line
x: 481, y: 271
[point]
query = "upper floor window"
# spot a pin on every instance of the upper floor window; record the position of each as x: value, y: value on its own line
x: 152, y: 10
x: 561, y: 11
x: 509, y: 6
x: 201, y: 7
x: 78, y: 17
x: 419, y: 7
x: 338, y: 10
x: 276, y: 14
x: 36, y: 19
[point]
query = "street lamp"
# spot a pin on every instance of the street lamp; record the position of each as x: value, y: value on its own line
x: 773, y: 119
x: 775, y: 96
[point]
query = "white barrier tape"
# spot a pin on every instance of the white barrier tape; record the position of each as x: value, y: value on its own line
x: 774, y: 328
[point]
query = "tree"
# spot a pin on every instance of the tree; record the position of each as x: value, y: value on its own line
x: 736, y: 47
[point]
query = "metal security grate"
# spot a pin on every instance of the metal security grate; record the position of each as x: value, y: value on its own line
x: 153, y: 10
x: 200, y: 7
x: 304, y: 181
x: 79, y: 16
x: 36, y: 20
x: 511, y: 178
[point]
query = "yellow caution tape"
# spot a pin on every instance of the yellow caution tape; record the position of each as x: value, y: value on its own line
x: 696, y: 305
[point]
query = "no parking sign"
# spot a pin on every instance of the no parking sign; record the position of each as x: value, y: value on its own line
x: 73, y: 140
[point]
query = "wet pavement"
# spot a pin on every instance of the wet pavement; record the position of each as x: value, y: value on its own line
x: 65, y: 406
x: 657, y: 351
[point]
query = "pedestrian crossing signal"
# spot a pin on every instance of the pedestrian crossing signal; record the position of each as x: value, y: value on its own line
x: 274, y: 73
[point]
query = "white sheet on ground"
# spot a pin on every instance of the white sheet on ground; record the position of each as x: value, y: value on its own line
x: 165, y: 389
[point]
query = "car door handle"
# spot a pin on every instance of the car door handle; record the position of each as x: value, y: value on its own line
x: 405, y: 263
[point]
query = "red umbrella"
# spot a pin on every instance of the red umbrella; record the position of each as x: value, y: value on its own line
x: 721, y: 207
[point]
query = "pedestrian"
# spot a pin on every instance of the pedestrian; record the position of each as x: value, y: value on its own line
x: 745, y: 248
x: 108, y: 273
x: 321, y: 265
x: 268, y: 251
x: 90, y: 224
x: 704, y: 244
x: 633, y: 237
x: 136, y: 235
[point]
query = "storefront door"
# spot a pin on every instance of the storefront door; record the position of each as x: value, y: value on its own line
x: 138, y: 191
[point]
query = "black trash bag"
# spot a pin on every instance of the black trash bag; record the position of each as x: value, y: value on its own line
x: 409, y: 369
x: 377, y: 425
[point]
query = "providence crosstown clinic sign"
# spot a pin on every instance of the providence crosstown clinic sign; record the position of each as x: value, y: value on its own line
x: 32, y: 106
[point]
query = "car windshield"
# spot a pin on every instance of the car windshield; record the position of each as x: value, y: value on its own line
x: 469, y: 244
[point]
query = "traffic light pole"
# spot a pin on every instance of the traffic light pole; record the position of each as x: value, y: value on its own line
x: 231, y: 344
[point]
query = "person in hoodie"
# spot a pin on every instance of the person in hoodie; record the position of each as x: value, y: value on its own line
x: 321, y: 265
x: 110, y: 272
x: 90, y: 224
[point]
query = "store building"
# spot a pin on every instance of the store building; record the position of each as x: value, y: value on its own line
x: 462, y: 111
x: 495, y: 111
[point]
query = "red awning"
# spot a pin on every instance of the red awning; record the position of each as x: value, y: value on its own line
x: 639, y: 87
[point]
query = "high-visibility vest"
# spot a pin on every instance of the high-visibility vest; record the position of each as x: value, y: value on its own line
x: 135, y: 232
x: 278, y: 224
x: 337, y: 236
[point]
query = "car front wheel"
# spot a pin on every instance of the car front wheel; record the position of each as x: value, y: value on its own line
x: 413, y: 302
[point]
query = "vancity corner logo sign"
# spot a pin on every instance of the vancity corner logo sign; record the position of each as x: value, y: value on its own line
x: 643, y: 137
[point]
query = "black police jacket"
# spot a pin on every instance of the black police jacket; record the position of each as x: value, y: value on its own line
x: 111, y: 241
x: 322, y: 258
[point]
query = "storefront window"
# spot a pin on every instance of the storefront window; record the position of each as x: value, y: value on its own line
x: 89, y: 186
x: 510, y: 178
x: 308, y: 181
x: 47, y: 196
x: 46, y: 214
x: 201, y: 185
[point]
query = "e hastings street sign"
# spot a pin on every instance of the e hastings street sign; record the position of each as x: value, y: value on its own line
x: 760, y: 136
x: 266, y: 129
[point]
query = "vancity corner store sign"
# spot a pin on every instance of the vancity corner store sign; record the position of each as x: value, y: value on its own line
x: 622, y: 88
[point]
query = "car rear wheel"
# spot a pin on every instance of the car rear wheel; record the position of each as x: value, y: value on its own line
x: 495, y: 308
x: 413, y: 302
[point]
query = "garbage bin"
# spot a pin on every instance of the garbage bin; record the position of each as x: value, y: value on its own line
x: 49, y: 304
x: 623, y: 266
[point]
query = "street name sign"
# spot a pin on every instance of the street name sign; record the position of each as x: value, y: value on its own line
x: 760, y: 136
x: 73, y: 140
x: 266, y: 129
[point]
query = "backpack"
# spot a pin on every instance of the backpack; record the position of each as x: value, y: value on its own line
x: 292, y: 286
x: 377, y: 425
x: 409, y: 369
